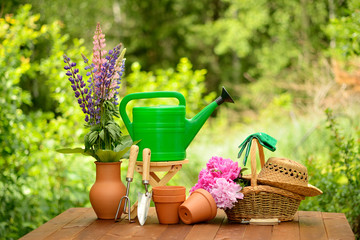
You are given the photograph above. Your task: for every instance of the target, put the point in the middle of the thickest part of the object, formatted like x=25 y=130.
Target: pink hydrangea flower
x=226 y=168
x=206 y=180
x=218 y=179
x=226 y=193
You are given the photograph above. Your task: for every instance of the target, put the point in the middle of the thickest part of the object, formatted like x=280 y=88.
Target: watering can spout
x=192 y=126
x=225 y=97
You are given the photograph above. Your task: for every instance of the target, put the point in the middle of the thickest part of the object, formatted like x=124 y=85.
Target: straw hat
x=287 y=174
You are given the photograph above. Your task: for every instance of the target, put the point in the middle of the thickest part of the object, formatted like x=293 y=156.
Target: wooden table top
x=81 y=223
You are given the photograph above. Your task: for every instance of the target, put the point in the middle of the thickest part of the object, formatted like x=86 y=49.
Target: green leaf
x=102 y=135
x=71 y=150
x=78 y=150
x=121 y=151
x=125 y=142
x=114 y=131
x=93 y=137
x=96 y=127
x=124 y=146
x=116 y=113
x=109 y=155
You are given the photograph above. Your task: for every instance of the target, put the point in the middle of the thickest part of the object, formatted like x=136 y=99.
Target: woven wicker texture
x=263 y=205
x=262 y=201
x=287 y=174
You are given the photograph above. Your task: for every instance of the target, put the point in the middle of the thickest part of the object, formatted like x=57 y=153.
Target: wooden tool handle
x=134 y=151
x=255 y=142
x=146 y=164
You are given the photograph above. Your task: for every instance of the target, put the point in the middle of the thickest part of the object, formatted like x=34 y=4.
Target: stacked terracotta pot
x=167 y=200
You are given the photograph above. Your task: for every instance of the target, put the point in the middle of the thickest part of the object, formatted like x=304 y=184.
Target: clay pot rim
x=169 y=199
x=107 y=163
x=169 y=190
x=210 y=200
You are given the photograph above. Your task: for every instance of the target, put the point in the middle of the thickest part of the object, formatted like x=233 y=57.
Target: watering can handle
x=144 y=95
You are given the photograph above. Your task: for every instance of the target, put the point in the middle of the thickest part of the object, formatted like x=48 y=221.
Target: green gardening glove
x=265 y=140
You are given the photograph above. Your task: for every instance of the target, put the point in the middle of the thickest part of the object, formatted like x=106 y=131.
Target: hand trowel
x=144 y=199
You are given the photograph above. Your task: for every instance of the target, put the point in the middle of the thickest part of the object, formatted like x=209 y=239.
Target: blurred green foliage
x=345 y=31
x=237 y=41
x=35 y=182
x=273 y=56
x=338 y=175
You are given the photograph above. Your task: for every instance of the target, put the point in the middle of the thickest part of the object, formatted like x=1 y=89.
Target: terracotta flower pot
x=107 y=190
x=199 y=207
x=167 y=208
x=169 y=190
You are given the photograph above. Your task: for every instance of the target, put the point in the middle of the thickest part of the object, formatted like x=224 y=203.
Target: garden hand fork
x=134 y=150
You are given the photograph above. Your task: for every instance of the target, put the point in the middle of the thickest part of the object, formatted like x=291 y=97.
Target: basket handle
x=255 y=142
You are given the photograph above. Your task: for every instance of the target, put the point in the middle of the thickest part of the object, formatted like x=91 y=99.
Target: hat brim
x=308 y=191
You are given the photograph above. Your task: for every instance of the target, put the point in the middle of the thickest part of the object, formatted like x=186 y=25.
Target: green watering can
x=164 y=129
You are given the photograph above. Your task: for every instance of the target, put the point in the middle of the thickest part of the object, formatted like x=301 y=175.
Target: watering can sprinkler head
x=225 y=97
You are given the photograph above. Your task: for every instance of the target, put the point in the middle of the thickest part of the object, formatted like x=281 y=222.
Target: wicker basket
x=263 y=201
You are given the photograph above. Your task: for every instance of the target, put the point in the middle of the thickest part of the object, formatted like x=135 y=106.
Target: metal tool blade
x=144 y=198
x=143 y=206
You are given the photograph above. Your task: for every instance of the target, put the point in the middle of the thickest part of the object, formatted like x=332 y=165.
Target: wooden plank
x=311 y=226
x=287 y=230
x=96 y=229
x=123 y=230
x=160 y=164
x=175 y=232
x=333 y=215
x=74 y=227
x=254 y=232
x=337 y=226
x=155 y=177
x=81 y=223
x=207 y=230
x=230 y=230
x=54 y=224
x=151 y=229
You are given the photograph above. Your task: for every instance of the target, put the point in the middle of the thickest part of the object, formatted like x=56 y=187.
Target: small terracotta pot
x=167 y=208
x=169 y=190
x=199 y=207
x=107 y=190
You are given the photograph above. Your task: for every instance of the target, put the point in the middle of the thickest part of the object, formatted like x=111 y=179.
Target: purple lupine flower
x=84 y=58
x=104 y=78
x=75 y=78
